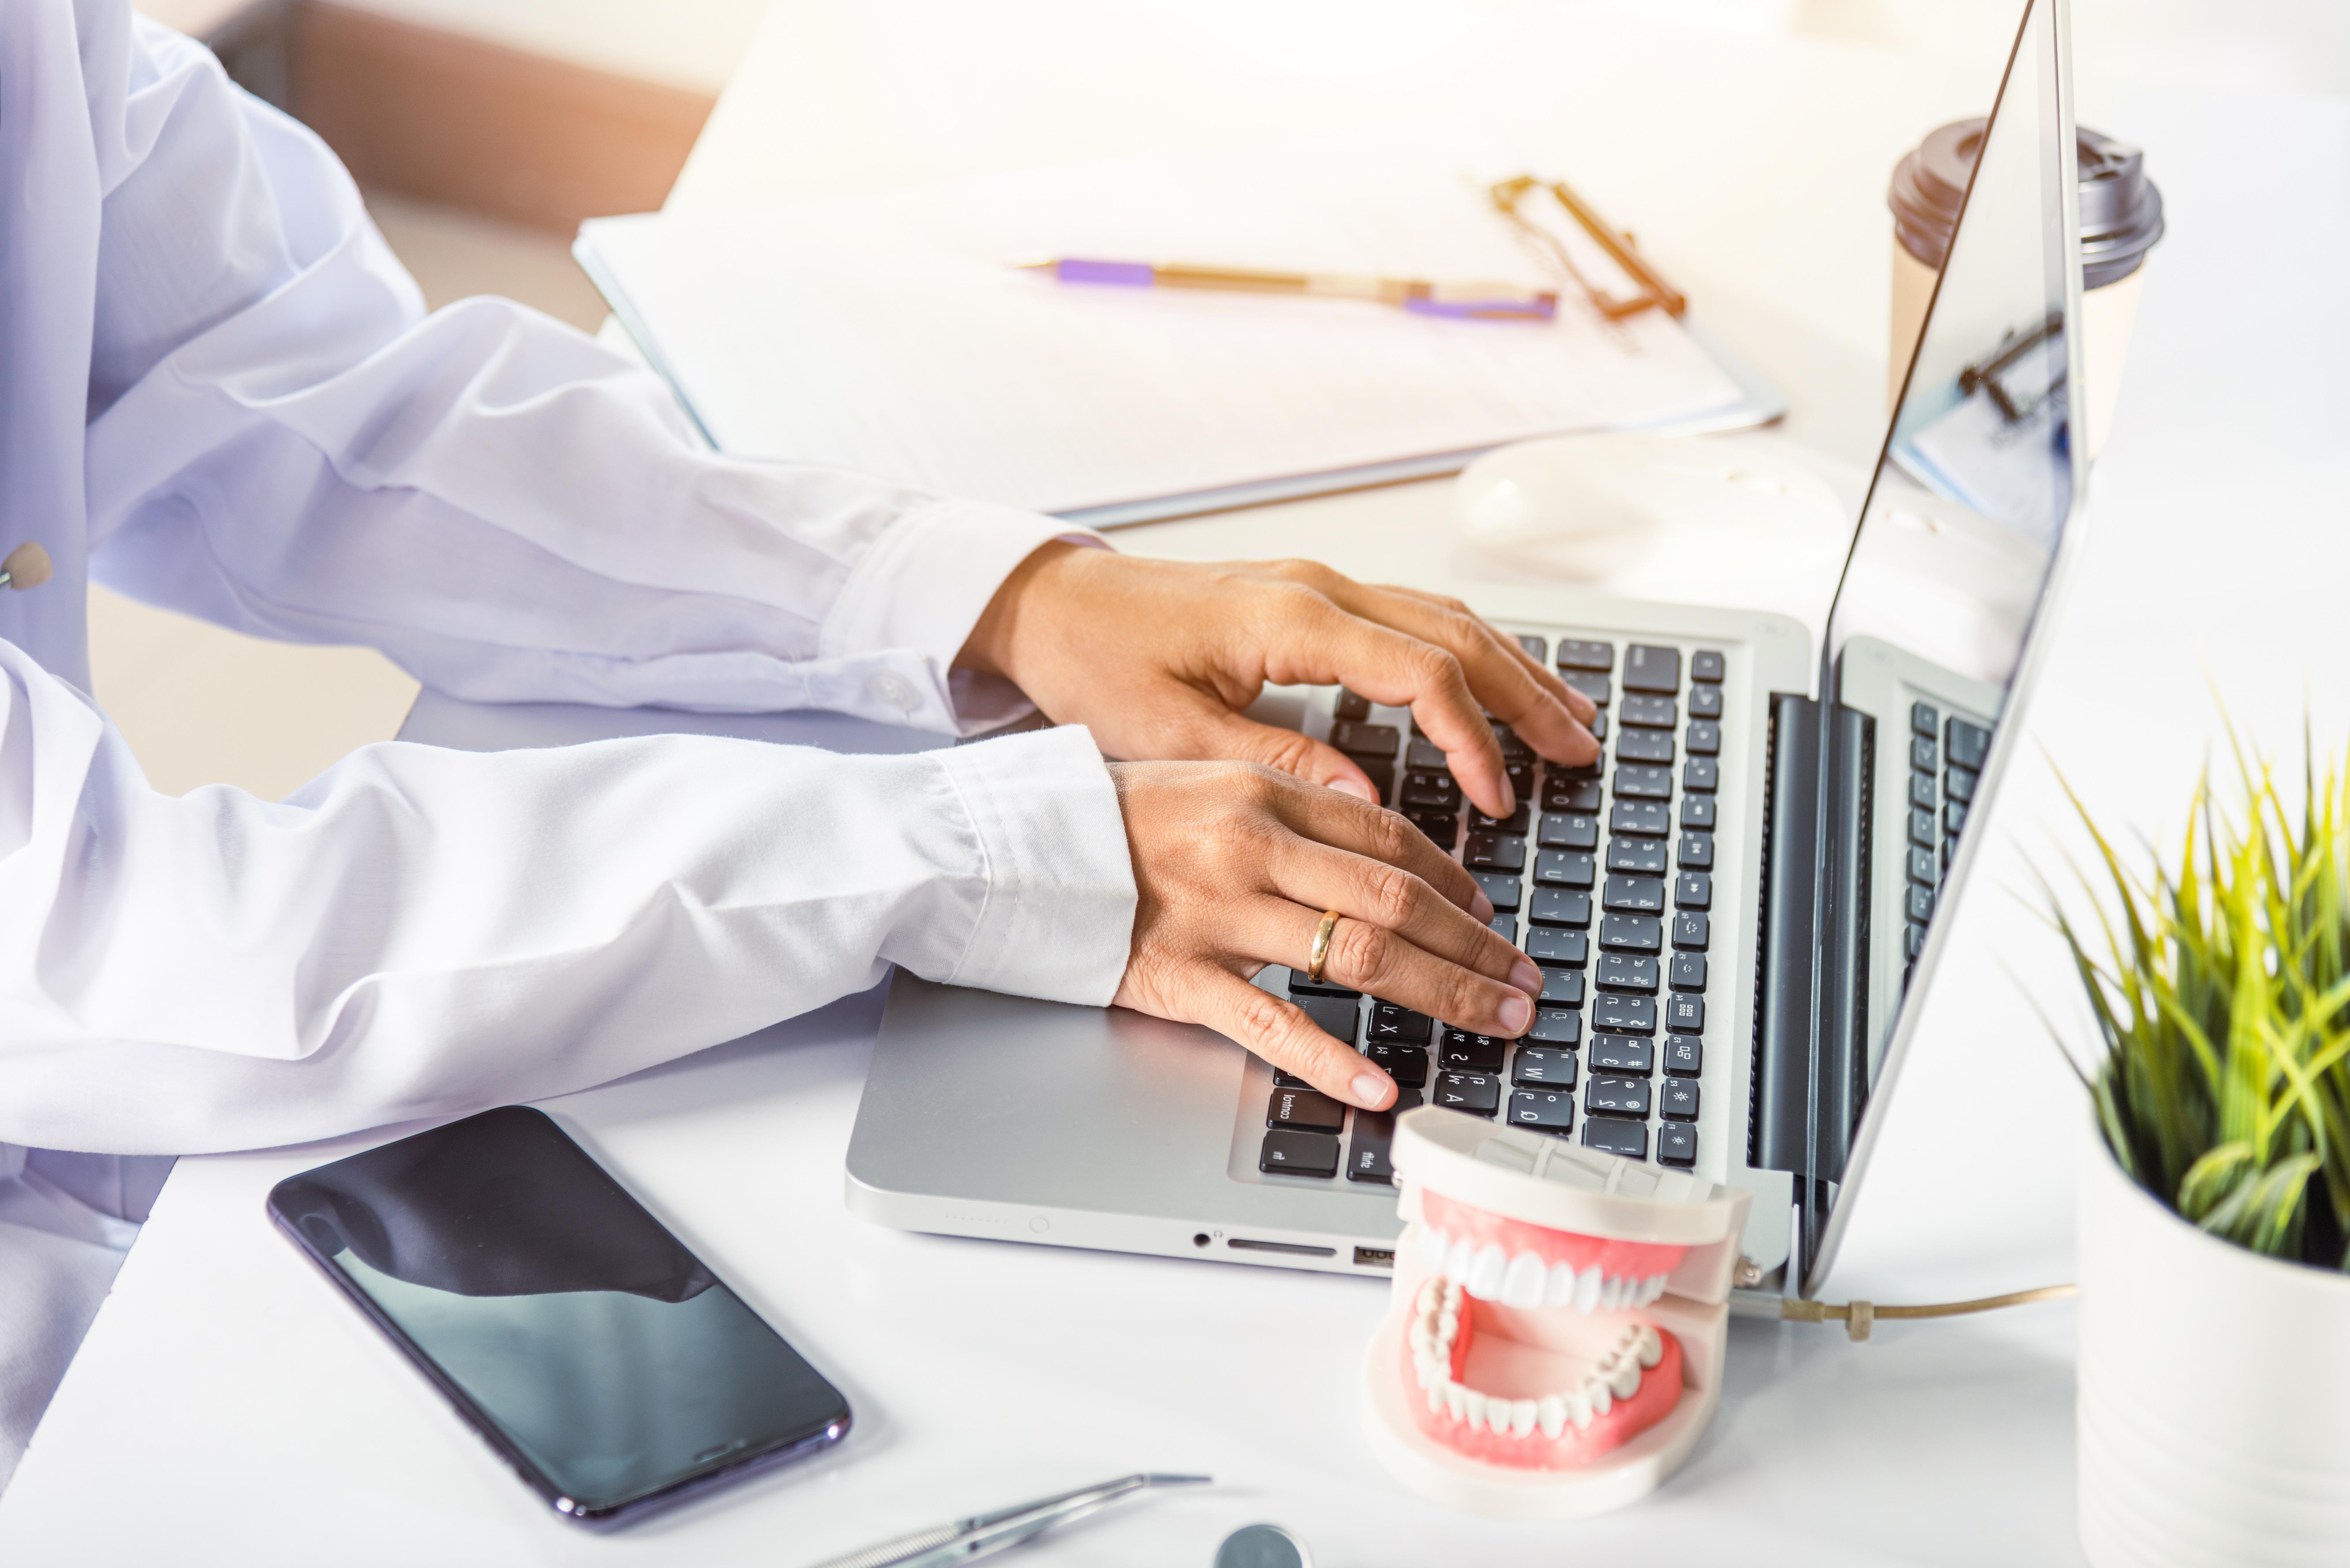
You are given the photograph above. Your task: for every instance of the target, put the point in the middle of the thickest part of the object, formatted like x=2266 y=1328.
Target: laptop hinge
x=1811 y=1017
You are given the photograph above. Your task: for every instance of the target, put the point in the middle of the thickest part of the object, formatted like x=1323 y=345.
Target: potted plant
x=2214 y=1378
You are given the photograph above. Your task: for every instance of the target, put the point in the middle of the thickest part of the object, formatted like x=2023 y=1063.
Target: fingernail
x=1481 y=907
x=1509 y=796
x=1526 y=978
x=1355 y=787
x=1516 y=1013
x=1369 y=1090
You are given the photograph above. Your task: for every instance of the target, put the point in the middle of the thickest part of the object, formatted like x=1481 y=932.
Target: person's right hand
x=1235 y=864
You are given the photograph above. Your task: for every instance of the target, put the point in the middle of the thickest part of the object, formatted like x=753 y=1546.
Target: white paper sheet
x=888 y=332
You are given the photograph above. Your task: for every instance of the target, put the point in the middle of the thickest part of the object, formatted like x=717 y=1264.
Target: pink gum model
x=1554 y=1340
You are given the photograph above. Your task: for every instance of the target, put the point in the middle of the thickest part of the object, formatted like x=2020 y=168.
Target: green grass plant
x=2221 y=986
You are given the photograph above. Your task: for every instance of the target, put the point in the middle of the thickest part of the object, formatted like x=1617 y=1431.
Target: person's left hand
x=1159 y=658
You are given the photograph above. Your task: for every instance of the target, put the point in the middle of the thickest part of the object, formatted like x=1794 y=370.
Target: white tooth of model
x=1579 y=1408
x=1522 y=1285
x=1522 y=1418
x=1433 y=1243
x=1560 y=1290
x=1485 y=1272
x=1552 y=1413
x=1586 y=1290
x=1472 y=1406
x=1456 y=1400
x=1456 y=1262
x=1602 y=1398
x=1624 y=1381
x=1652 y=1349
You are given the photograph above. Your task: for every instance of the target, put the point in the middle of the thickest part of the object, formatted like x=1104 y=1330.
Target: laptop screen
x=1958 y=537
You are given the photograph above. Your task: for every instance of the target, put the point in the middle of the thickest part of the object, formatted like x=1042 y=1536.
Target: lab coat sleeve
x=283 y=441
x=425 y=932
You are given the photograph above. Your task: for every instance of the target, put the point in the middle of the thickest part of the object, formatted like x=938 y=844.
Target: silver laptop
x=1734 y=913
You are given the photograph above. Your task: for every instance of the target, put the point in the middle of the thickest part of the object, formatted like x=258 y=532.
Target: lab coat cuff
x=924 y=586
x=1058 y=918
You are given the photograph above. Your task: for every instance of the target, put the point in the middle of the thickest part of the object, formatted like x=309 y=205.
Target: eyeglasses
x=1549 y=214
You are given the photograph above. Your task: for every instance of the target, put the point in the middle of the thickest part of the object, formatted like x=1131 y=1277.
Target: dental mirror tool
x=988 y=1533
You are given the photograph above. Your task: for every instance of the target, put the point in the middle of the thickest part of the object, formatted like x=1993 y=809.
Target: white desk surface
x=227 y=1409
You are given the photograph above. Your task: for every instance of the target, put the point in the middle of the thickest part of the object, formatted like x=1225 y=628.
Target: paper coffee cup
x=2121 y=219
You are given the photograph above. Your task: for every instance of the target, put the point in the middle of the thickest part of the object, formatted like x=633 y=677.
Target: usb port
x=1375 y=1257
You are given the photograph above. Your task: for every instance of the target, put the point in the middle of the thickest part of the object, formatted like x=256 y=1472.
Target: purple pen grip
x=1134 y=275
x=1472 y=309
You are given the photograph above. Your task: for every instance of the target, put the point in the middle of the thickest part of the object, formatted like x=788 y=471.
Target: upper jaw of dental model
x=1507 y=1260
x=1438 y=1344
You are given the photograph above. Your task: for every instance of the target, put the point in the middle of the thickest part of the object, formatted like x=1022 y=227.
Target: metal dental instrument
x=989 y=1533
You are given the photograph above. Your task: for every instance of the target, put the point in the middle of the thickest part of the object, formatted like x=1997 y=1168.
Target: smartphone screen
x=580 y=1338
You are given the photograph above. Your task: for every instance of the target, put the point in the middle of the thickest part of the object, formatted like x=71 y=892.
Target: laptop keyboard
x=1946 y=760
x=1602 y=876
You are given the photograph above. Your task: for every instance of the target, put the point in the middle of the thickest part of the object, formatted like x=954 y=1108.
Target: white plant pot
x=2214 y=1396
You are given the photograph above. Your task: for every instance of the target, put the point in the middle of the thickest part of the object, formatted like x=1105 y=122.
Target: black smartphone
x=601 y=1359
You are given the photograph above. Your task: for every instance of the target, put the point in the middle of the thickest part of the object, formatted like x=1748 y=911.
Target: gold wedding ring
x=1320 y=953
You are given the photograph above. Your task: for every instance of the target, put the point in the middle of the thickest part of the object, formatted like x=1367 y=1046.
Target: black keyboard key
x=1624 y=1012
x=1676 y=1100
x=1555 y=1027
x=1618 y=1097
x=1913 y=942
x=1397 y=1025
x=1924 y=755
x=1707 y=664
x=1921 y=792
x=1306 y=1111
x=1685 y=1012
x=1299 y=1153
x=1284 y=1079
x=1514 y=823
x=1705 y=702
x=1676 y=1144
x=1925 y=719
x=1512 y=749
x=1697 y=852
x=1688 y=972
x=1565 y=950
x=1366 y=1155
x=1568 y=792
x=1647 y=668
x=1598 y=688
x=1560 y=906
x=1689 y=931
x=1543 y=1068
x=1521 y=776
x=1407 y=1065
x=1333 y=1015
x=1684 y=1055
x=1921 y=866
x=1299 y=985
x=1564 y=868
x=1562 y=988
x=1351 y=706
x=1629 y=1139
x=1598 y=725
x=1648 y=818
x=1958 y=785
x=1649 y=713
x=1697 y=813
x=1536 y=648
x=1622 y=1053
x=1970 y=745
x=1560 y=832
x=1922 y=903
x=1644 y=746
x=1504 y=927
x=1635 y=895
x=1693 y=890
x=1626 y=971
x=1426 y=757
x=1543 y=1110
x=1573 y=655
x=1431 y=791
x=1704 y=738
x=1381 y=774
x=1642 y=857
x=1632 y=933
x=1700 y=776
x=1494 y=852
x=1954 y=818
x=1366 y=740
x=1441 y=826
x=1465 y=1053
x=1921 y=827
x=1500 y=886
x=1633 y=783
x=1479 y=1094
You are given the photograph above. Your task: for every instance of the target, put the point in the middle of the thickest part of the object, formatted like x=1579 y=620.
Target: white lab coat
x=219 y=392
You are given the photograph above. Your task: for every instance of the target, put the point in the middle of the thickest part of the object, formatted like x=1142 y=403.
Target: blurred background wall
x=484 y=131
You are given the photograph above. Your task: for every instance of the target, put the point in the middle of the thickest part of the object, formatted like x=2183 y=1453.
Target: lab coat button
x=894 y=692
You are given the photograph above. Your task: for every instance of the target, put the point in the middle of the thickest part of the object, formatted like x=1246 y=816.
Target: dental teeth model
x=1554 y=1344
